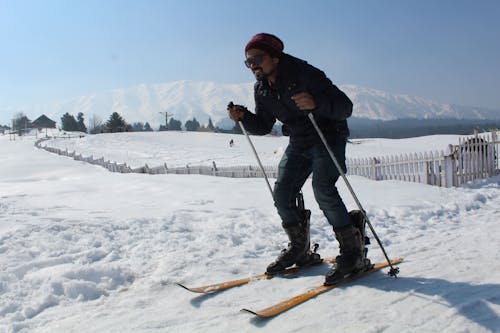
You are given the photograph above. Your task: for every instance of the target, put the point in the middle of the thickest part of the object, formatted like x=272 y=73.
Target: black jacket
x=294 y=76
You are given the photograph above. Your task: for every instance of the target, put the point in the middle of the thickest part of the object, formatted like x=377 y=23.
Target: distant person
x=231 y=143
x=287 y=89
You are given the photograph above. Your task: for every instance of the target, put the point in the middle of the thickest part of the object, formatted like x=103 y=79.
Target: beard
x=259 y=74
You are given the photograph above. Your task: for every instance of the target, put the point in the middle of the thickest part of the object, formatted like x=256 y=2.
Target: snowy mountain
x=187 y=99
x=376 y=104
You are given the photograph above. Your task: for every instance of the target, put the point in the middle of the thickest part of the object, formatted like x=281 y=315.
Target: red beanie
x=266 y=42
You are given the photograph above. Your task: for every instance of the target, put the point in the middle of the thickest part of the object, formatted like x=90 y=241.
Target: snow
x=175 y=150
x=86 y=250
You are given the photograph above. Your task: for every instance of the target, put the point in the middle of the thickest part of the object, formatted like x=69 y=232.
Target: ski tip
x=260 y=314
x=250 y=311
x=200 y=290
x=183 y=286
x=397 y=261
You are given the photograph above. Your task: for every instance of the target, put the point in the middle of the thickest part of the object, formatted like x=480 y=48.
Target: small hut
x=43 y=122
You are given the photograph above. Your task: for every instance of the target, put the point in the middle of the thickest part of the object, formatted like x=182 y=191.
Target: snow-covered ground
x=86 y=250
x=197 y=148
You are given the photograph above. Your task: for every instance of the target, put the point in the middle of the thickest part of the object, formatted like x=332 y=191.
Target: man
x=287 y=89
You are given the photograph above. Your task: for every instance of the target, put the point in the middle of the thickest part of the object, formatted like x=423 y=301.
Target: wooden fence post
x=448 y=170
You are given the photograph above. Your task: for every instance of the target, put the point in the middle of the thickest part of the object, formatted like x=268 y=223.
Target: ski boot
x=298 y=251
x=352 y=259
x=358 y=220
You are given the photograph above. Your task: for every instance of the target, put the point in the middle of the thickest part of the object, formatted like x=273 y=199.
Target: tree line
x=359 y=128
x=116 y=123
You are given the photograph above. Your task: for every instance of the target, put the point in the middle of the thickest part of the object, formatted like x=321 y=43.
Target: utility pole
x=11 y=132
x=166 y=118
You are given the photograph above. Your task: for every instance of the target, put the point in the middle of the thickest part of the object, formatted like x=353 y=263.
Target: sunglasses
x=256 y=60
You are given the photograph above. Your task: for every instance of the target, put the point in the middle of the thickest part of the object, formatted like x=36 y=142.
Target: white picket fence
x=476 y=158
x=420 y=168
x=473 y=158
x=244 y=171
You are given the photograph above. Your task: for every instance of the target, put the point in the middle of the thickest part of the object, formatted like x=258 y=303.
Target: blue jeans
x=295 y=167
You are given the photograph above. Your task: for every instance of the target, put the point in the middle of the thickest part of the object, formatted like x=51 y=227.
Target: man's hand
x=304 y=101
x=236 y=112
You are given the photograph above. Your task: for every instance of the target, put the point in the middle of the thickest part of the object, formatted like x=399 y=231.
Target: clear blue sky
x=446 y=50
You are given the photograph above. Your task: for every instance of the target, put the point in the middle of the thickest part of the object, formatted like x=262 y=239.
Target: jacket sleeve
x=261 y=122
x=330 y=101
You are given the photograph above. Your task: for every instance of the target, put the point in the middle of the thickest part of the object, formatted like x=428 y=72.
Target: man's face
x=261 y=64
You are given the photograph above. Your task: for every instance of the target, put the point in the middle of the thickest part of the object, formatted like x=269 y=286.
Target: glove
x=236 y=112
x=304 y=101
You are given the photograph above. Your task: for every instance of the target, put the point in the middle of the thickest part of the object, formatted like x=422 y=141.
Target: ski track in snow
x=82 y=249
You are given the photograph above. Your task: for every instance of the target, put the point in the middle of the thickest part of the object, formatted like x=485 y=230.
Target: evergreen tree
x=174 y=125
x=81 y=123
x=192 y=125
x=116 y=123
x=137 y=127
x=147 y=127
x=69 y=122
x=210 y=125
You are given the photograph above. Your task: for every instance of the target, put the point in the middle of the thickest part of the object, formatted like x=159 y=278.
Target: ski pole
x=394 y=270
x=256 y=156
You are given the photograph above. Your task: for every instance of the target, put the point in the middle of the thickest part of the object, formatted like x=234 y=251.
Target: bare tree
x=20 y=122
x=95 y=124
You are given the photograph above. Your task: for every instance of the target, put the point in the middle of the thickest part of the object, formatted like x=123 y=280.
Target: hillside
x=187 y=99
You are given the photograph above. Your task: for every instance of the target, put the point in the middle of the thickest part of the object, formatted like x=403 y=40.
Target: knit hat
x=266 y=42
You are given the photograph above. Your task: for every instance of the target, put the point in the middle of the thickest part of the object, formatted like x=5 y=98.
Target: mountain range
x=187 y=99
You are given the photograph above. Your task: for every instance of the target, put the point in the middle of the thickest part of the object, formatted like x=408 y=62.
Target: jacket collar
x=287 y=75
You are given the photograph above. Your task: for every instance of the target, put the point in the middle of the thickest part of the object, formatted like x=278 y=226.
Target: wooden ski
x=211 y=288
x=289 y=303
